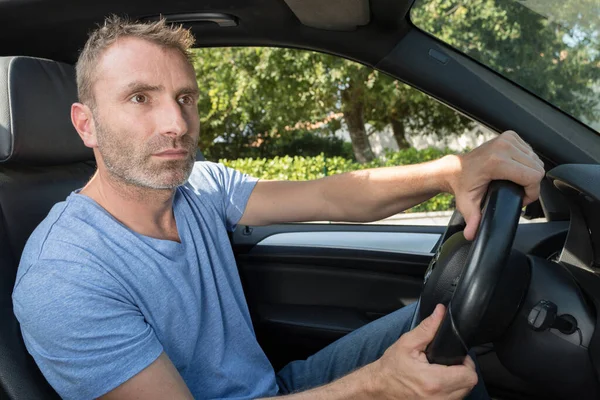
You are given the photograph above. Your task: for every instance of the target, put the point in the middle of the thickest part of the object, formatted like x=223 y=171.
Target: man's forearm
x=370 y=195
x=373 y=194
x=357 y=385
x=358 y=196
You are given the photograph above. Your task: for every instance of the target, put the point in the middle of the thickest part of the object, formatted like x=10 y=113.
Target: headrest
x=35 y=103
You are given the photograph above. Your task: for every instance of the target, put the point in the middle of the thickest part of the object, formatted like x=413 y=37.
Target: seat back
x=43 y=160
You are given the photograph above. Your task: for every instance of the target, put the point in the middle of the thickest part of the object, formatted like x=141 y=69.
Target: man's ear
x=83 y=121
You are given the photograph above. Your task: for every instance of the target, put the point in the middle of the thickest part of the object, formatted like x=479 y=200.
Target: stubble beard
x=136 y=167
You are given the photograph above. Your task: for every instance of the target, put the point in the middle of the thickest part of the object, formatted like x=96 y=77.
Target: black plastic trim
x=374 y=261
x=223 y=20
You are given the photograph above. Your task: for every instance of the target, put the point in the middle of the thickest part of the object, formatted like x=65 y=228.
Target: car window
x=549 y=47
x=293 y=114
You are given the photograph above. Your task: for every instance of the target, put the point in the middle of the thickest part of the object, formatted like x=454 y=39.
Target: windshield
x=550 y=47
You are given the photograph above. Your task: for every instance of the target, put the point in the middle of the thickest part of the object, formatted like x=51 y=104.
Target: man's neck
x=143 y=210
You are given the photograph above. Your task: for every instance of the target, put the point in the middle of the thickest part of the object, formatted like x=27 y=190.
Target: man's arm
x=357 y=196
x=159 y=380
x=373 y=194
x=403 y=372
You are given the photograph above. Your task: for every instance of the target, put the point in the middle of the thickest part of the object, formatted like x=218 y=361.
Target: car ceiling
x=58 y=29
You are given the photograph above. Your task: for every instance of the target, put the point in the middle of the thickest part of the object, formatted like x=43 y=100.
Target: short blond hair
x=115 y=28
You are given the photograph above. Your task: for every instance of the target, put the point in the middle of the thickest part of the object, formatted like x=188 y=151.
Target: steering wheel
x=464 y=277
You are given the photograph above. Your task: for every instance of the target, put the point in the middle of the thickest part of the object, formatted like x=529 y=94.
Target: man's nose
x=171 y=119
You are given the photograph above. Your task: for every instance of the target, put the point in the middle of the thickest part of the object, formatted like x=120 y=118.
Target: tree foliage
x=257 y=101
x=556 y=56
x=408 y=110
x=251 y=97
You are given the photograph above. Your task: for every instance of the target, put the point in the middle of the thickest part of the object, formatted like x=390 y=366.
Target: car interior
x=535 y=326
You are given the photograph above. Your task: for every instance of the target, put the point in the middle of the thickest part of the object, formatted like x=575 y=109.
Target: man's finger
x=472 y=220
x=526 y=159
x=455 y=377
x=423 y=334
x=519 y=143
x=521 y=174
x=517 y=149
x=516 y=141
x=469 y=363
x=517 y=138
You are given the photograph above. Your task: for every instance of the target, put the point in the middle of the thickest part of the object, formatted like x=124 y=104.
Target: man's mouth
x=172 y=153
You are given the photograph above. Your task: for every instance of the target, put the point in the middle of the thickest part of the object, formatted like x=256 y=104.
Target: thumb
x=472 y=218
x=423 y=334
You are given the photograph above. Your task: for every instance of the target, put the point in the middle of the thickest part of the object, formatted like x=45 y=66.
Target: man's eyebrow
x=137 y=86
x=190 y=90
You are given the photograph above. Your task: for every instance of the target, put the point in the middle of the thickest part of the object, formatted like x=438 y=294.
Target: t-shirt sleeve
x=77 y=322
x=228 y=188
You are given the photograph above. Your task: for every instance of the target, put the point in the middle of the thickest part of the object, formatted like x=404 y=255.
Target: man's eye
x=186 y=100
x=139 y=98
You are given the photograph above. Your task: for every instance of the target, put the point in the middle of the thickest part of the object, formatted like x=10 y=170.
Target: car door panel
x=309 y=284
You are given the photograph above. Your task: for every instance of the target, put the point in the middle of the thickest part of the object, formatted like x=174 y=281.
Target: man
x=129 y=289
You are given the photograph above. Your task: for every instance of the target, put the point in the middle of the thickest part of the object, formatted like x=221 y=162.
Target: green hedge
x=305 y=168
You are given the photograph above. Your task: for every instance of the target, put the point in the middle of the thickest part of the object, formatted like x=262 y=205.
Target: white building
x=383 y=140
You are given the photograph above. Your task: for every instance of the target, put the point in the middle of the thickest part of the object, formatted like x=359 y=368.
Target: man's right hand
x=403 y=371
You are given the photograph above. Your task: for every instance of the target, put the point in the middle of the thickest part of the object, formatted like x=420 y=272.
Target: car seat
x=42 y=161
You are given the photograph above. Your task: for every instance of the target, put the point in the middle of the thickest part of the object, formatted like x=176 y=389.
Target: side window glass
x=296 y=115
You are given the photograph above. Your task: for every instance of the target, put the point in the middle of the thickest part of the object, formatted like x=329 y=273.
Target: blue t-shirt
x=98 y=302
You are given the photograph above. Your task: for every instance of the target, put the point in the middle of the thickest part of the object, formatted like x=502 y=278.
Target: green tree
x=251 y=96
x=556 y=57
x=405 y=109
x=255 y=96
x=347 y=82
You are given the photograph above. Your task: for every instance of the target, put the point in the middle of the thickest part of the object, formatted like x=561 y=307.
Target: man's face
x=145 y=115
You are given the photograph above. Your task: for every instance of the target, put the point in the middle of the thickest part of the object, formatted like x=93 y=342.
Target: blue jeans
x=354 y=350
